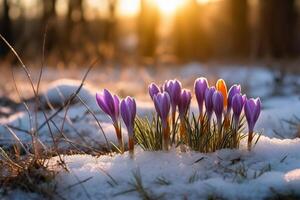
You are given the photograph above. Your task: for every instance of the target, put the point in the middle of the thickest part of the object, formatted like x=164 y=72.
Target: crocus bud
x=184 y=103
x=200 y=87
x=162 y=106
x=218 y=106
x=153 y=90
x=128 y=113
x=235 y=89
x=221 y=86
x=252 y=110
x=209 y=101
x=173 y=88
x=237 y=106
x=109 y=104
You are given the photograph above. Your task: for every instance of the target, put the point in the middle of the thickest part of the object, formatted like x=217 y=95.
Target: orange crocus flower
x=221 y=86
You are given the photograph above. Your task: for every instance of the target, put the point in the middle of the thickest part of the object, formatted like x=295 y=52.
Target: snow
x=275 y=110
x=273 y=164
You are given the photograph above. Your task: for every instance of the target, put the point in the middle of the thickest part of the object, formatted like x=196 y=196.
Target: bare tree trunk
x=49 y=20
x=238 y=10
x=277 y=27
x=6 y=27
x=277 y=31
x=111 y=30
x=190 y=40
x=148 y=22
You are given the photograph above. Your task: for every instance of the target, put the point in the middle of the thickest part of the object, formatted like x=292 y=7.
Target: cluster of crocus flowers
x=226 y=105
x=222 y=102
x=217 y=108
x=110 y=104
x=170 y=98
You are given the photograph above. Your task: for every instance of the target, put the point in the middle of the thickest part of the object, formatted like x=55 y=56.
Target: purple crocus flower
x=162 y=106
x=209 y=101
x=237 y=102
x=218 y=106
x=235 y=89
x=173 y=88
x=153 y=90
x=252 y=110
x=184 y=103
x=128 y=113
x=200 y=87
x=109 y=104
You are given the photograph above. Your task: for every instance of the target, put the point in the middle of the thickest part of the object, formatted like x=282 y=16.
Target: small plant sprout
x=110 y=105
x=162 y=105
x=200 y=87
x=183 y=107
x=252 y=110
x=128 y=113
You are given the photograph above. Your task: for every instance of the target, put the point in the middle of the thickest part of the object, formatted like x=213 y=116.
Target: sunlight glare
x=204 y=1
x=129 y=7
x=169 y=6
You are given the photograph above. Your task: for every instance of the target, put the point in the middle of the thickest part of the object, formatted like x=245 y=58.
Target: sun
x=129 y=7
x=168 y=6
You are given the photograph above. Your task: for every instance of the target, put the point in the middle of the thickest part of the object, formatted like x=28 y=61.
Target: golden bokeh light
x=129 y=7
x=203 y=1
x=169 y=6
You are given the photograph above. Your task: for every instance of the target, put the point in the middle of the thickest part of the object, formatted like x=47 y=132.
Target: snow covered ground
x=272 y=167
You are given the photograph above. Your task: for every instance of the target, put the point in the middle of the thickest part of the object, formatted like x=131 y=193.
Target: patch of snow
x=231 y=174
x=61 y=90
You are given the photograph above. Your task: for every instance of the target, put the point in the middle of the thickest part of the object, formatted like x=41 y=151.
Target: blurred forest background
x=135 y=32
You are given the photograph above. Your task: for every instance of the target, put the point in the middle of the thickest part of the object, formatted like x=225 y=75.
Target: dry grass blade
x=21 y=62
x=71 y=98
x=8 y=160
x=97 y=121
x=17 y=139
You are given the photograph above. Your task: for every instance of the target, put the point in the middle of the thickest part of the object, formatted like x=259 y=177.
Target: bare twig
x=71 y=98
x=98 y=123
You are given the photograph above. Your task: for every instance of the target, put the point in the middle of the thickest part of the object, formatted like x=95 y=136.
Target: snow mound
x=273 y=165
x=61 y=90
